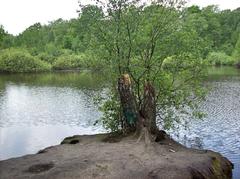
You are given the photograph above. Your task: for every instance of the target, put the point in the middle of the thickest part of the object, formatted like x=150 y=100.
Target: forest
x=72 y=44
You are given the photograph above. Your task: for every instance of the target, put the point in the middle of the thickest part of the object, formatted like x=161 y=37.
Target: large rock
x=99 y=157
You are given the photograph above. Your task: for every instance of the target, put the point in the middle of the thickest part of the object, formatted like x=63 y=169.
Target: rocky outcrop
x=99 y=157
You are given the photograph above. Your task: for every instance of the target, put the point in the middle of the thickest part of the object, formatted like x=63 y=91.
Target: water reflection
x=39 y=110
x=80 y=80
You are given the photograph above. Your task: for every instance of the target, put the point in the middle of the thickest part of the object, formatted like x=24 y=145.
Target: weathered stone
x=93 y=158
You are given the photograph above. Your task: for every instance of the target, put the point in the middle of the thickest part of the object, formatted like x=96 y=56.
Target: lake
x=39 y=110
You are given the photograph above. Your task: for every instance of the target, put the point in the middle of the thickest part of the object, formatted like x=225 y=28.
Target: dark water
x=39 y=110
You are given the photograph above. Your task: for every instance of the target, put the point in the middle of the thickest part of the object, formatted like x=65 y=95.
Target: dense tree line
x=219 y=29
x=216 y=33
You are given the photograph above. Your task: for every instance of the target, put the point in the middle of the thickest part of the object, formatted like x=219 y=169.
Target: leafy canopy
x=150 y=42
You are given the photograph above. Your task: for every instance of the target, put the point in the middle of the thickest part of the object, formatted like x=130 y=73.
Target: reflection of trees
x=83 y=80
x=222 y=73
x=2 y=86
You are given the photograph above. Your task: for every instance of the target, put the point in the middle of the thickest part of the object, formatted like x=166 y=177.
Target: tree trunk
x=128 y=103
x=136 y=119
x=148 y=109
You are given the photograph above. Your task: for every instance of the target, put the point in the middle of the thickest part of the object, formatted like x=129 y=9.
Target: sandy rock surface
x=95 y=157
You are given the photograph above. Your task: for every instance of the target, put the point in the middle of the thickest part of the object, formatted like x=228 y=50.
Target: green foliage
x=6 y=40
x=220 y=58
x=94 y=62
x=212 y=30
x=52 y=50
x=46 y=58
x=151 y=43
x=78 y=61
x=219 y=29
x=18 y=60
x=110 y=107
x=236 y=52
x=2 y=33
x=68 y=62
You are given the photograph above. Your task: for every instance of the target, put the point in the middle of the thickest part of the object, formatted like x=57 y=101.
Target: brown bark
x=148 y=109
x=128 y=103
x=140 y=120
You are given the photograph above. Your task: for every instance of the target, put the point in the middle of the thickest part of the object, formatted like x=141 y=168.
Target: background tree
x=6 y=40
x=2 y=33
x=236 y=52
x=217 y=31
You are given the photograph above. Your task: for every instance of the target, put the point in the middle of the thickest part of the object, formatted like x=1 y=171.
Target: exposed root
x=146 y=136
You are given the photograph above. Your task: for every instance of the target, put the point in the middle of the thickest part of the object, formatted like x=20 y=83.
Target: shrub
x=110 y=107
x=220 y=58
x=85 y=61
x=181 y=63
x=46 y=58
x=67 y=62
x=52 y=50
x=95 y=63
x=18 y=60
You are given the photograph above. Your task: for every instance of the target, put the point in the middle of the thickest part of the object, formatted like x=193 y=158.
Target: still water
x=39 y=110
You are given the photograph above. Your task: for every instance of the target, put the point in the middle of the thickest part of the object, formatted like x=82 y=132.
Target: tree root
x=151 y=138
x=148 y=138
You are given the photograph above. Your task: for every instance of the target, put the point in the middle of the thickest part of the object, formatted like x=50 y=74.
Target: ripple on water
x=220 y=131
x=24 y=105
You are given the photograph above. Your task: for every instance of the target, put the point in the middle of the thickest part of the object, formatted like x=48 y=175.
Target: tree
x=218 y=29
x=6 y=40
x=3 y=34
x=31 y=36
x=236 y=52
x=158 y=76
